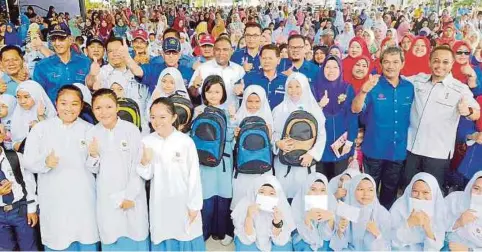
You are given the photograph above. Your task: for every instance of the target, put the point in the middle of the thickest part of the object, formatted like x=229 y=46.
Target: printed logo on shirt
x=177 y=157
x=421 y=90
x=124 y=146
x=381 y=97
x=83 y=143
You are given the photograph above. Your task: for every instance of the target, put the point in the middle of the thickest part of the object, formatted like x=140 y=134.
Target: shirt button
x=395 y=100
x=396 y=111
x=396 y=121
x=395 y=132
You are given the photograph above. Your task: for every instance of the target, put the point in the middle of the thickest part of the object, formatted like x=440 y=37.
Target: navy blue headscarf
x=334 y=88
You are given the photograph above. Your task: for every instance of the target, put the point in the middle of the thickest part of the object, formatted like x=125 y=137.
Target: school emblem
x=172 y=42
x=83 y=143
x=124 y=145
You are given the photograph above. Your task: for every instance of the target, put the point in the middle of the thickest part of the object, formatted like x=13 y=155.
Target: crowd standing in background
x=274 y=127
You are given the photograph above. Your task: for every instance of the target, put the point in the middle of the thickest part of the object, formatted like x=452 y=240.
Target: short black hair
x=70 y=88
x=152 y=34
x=80 y=39
x=270 y=47
x=442 y=48
x=11 y=48
x=171 y=30
x=253 y=25
x=113 y=39
x=266 y=29
x=296 y=36
x=208 y=82
x=223 y=39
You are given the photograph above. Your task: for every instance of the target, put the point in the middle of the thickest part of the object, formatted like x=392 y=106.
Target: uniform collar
x=447 y=81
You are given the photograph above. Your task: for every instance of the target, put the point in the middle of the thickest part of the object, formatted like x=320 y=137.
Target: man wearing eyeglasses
x=296 y=61
x=249 y=57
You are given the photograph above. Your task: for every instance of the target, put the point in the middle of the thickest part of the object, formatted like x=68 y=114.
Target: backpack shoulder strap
x=12 y=158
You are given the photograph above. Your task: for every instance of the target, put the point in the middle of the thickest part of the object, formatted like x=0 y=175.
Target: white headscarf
x=178 y=80
x=314 y=237
x=264 y=110
x=262 y=220
x=21 y=118
x=117 y=77
x=186 y=48
x=85 y=93
x=333 y=185
x=11 y=102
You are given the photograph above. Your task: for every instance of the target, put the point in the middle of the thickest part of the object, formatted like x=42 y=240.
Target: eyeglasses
x=252 y=36
x=171 y=53
x=463 y=53
x=296 y=48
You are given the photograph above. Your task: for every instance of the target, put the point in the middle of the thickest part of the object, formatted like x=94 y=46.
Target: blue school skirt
x=127 y=244
x=77 y=246
x=239 y=246
x=196 y=244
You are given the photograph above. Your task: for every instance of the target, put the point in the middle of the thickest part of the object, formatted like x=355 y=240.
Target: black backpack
x=184 y=111
x=129 y=111
x=12 y=158
x=303 y=127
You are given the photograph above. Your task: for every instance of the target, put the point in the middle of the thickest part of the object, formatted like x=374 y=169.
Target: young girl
x=114 y=154
x=338 y=186
x=298 y=96
x=33 y=106
x=254 y=103
x=170 y=82
x=315 y=225
x=56 y=150
x=371 y=231
x=7 y=106
x=217 y=181
x=262 y=219
x=170 y=161
x=419 y=216
x=464 y=223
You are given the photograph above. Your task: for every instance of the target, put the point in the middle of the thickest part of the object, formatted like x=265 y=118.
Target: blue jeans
x=15 y=233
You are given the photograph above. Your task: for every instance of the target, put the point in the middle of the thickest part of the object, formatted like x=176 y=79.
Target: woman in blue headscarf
x=11 y=36
x=335 y=97
x=419 y=216
x=371 y=230
x=464 y=212
x=23 y=29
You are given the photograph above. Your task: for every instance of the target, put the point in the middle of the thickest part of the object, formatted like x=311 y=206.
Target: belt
x=15 y=205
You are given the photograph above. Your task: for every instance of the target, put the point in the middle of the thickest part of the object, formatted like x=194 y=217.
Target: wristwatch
x=471 y=111
x=277 y=225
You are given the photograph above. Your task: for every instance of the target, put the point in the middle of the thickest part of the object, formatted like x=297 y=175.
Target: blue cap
x=58 y=31
x=171 y=44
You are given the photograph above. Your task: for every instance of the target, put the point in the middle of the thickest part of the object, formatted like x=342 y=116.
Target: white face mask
x=316 y=201
x=476 y=204
x=427 y=206
x=266 y=203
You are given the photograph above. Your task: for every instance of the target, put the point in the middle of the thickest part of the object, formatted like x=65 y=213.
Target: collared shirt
x=185 y=60
x=231 y=75
x=309 y=69
x=434 y=116
x=275 y=89
x=51 y=73
x=30 y=185
x=242 y=56
x=152 y=71
x=387 y=117
x=11 y=84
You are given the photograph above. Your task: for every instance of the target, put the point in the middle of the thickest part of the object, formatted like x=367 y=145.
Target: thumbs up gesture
x=3 y=86
x=94 y=67
x=147 y=155
x=196 y=64
x=198 y=81
x=247 y=66
x=289 y=71
x=324 y=100
x=94 y=148
x=52 y=160
x=40 y=109
x=370 y=83
x=125 y=50
x=463 y=107
x=232 y=111
x=468 y=71
x=238 y=88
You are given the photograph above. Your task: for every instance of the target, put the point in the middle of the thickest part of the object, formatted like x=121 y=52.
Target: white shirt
x=30 y=185
x=231 y=75
x=434 y=116
x=66 y=193
x=175 y=187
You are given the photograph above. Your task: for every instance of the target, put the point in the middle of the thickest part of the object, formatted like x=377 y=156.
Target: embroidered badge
x=341 y=98
x=83 y=143
x=124 y=145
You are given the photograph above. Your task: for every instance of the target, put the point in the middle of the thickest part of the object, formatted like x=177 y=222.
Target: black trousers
x=416 y=163
x=331 y=169
x=387 y=174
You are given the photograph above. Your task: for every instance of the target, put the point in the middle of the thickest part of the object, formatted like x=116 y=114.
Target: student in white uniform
x=7 y=106
x=372 y=229
x=33 y=106
x=56 y=149
x=254 y=103
x=262 y=219
x=170 y=161
x=114 y=154
x=298 y=96
x=464 y=216
x=338 y=186
x=419 y=216
x=314 y=225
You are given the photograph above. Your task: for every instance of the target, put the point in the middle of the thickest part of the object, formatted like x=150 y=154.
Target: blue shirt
x=11 y=85
x=152 y=71
x=275 y=89
x=240 y=56
x=309 y=69
x=52 y=74
x=184 y=60
x=387 y=117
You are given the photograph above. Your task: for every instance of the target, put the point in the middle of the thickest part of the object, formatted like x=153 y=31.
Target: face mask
x=316 y=201
x=266 y=203
x=476 y=204
x=426 y=206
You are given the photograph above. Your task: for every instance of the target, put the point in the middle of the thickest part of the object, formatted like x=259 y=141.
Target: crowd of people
x=276 y=127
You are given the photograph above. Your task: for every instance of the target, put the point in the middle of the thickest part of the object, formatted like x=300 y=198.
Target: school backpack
x=184 y=110
x=87 y=115
x=253 y=148
x=12 y=158
x=302 y=127
x=209 y=134
x=129 y=111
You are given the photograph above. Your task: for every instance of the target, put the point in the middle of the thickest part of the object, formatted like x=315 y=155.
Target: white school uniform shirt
x=117 y=180
x=30 y=185
x=66 y=193
x=175 y=187
x=231 y=75
x=434 y=116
